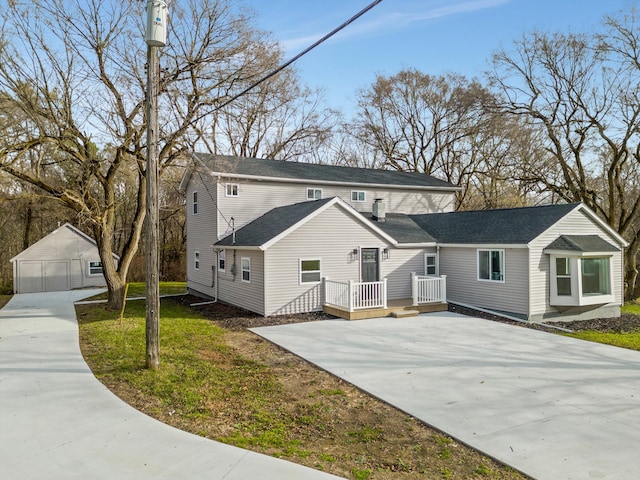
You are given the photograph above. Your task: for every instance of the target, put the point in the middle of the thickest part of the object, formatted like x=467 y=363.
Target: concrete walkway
x=58 y=422
x=550 y=406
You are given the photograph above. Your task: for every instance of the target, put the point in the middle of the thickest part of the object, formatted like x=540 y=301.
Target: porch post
x=443 y=288
x=414 y=289
x=384 y=292
x=350 y=300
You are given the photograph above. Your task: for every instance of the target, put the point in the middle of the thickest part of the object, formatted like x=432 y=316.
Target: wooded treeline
x=555 y=118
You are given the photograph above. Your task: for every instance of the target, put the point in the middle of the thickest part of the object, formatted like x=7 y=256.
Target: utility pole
x=156 y=34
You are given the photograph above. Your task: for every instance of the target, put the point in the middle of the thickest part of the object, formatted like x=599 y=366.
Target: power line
x=301 y=54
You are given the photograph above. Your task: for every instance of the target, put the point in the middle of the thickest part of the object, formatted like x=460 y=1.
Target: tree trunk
x=631 y=273
x=116 y=287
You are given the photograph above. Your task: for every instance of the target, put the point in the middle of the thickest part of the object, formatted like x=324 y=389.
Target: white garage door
x=43 y=276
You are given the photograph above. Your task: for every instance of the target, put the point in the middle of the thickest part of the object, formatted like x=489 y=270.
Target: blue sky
x=434 y=36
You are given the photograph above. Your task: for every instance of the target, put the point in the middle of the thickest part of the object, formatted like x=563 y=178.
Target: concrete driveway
x=550 y=406
x=58 y=422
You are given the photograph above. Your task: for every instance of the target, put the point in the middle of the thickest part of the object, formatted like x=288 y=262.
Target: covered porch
x=361 y=300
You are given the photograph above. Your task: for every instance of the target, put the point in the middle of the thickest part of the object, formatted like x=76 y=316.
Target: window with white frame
x=196 y=260
x=245 y=264
x=310 y=271
x=314 y=193
x=94 y=268
x=491 y=265
x=563 y=276
x=222 y=260
x=580 y=280
x=195 y=203
x=430 y=265
x=231 y=190
x=358 y=196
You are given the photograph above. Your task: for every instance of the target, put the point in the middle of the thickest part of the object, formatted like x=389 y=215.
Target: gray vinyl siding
x=201 y=235
x=398 y=268
x=231 y=288
x=255 y=198
x=576 y=223
x=331 y=236
x=463 y=286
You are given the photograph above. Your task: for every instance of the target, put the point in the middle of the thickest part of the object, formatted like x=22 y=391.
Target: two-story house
x=280 y=237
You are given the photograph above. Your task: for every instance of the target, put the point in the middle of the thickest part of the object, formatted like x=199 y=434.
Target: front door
x=369 y=265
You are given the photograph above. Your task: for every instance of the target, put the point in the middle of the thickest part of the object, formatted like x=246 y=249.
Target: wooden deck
x=399 y=308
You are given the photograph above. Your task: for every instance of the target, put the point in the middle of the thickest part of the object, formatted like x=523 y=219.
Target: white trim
x=310 y=259
x=503 y=265
x=196 y=259
x=242 y=269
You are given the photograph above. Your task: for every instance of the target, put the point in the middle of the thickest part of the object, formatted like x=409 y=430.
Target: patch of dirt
x=626 y=322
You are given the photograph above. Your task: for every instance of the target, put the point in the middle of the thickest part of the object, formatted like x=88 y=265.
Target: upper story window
x=195 y=203
x=94 y=268
x=245 y=264
x=314 y=193
x=358 y=196
x=222 y=260
x=491 y=265
x=231 y=190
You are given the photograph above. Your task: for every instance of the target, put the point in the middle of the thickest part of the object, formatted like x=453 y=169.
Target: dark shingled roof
x=581 y=243
x=402 y=228
x=319 y=173
x=507 y=226
x=271 y=224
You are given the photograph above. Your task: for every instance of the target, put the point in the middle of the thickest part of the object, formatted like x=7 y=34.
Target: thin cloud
x=395 y=21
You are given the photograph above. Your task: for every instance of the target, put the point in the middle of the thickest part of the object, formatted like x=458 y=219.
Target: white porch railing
x=356 y=295
x=426 y=289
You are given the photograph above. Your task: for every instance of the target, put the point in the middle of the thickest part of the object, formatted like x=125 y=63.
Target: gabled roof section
x=54 y=233
x=581 y=244
x=240 y=167
x=516 y=226
x=279 y=222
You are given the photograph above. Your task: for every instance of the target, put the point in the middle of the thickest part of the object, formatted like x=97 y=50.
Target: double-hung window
x=222 y=260
x=196 y=260
x=430 y=264
x=245 y=264
x=195 y=203
x=94 y=268
x=310 y=271
x=491 y=265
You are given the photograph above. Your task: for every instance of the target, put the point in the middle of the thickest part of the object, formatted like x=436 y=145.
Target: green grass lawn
x=208 y=387
x=138 y=290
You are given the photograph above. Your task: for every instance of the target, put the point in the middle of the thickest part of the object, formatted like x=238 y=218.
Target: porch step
x=404 y=313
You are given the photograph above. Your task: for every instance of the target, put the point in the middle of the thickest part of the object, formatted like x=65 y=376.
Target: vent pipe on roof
x=379 y=211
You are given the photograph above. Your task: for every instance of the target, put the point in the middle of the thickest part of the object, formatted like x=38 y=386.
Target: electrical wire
x=299 y=55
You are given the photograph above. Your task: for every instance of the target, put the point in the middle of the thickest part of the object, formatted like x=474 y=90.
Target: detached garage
x=66 y=259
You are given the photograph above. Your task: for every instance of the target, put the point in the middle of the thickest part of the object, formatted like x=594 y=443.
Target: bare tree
x=73 y=75
x=582 y=90
x=440 y=126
